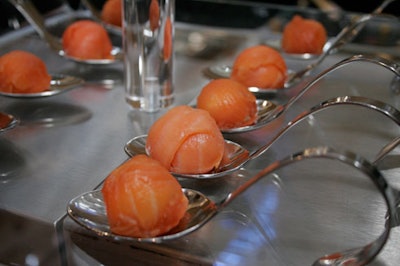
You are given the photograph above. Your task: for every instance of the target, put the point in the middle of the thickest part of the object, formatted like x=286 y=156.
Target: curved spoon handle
x=374 y=105
x=388 y=64
x=357 y=256
x=32 y=15
x=386 y=149
x=348 y=33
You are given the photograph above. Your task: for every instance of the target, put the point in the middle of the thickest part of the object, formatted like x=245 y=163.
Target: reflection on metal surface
x=107 y=76
x=205 y=43
x=12 y=161
x=7 y=122
x=35 y=241
x=49 y=114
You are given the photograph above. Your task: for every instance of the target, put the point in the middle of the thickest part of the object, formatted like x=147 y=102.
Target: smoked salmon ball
x=302 y=35
x=143 y=199
x=186 y=140
x=112 y=12
x=260 y=66
x=229 y=102
x=86 y=39
x=23 y=72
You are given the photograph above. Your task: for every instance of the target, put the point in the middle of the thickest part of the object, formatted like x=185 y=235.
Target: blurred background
x=271 y=15
x=208 y=12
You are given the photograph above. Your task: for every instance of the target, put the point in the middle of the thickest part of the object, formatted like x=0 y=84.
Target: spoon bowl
x=267 y=111
x=233 y=154
x=7 y=122
x=276 y=44
x=32 y=15
x=58 y=84
x=89 y=211
x=200 y=209
x=237 y=156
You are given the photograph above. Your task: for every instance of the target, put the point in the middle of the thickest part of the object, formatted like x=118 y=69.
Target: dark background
x=213 y=13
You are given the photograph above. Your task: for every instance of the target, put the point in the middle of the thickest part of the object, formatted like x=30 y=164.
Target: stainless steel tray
x=68 y=143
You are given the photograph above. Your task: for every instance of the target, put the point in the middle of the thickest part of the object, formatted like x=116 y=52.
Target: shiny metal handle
x=375 y=105
x=356 y=256
x=380 y=61
x=32 y=15
x=347 y=34
x=385 y=150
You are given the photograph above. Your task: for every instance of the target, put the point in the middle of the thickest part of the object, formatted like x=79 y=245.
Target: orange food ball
x=86 y=39
x=186 y=140
x=229 y=102
x=23 y=72
x=154 y=15
x=303 y=36
x=260 y=66
x=5 y=120
x=112 y=12
x=143 y=199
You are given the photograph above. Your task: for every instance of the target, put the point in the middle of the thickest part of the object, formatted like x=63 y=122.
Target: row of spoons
x=346 y=35
x=267 y=111
x=60 y=83
x=89 y=211
x=237 y=156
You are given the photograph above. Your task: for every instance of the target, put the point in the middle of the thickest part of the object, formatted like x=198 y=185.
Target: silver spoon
x=271 y=111
x=31 y=14
x=58 y=84
x=347 y=34
x=7 y=122
x=89 y=211
x=237 y=155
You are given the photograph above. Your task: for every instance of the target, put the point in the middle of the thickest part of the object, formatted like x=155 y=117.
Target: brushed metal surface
x=68 y=143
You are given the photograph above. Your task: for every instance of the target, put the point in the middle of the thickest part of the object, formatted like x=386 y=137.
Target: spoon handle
x=392 y=66
x=357 y=256
x=386 y=149
x=348 y=33
x=375 y=105
x=32 y=15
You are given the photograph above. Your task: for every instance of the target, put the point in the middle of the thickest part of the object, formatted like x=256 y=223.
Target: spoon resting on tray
x=31 y=14
x=59 y=84
x=267 y=111
x=237 y=156
x=88 y=209
x=347 y=34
